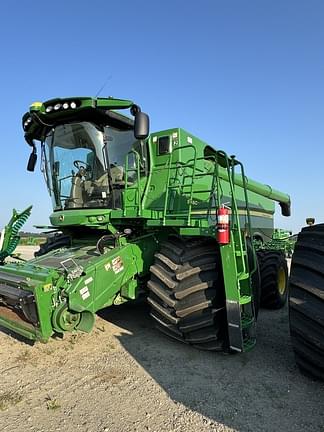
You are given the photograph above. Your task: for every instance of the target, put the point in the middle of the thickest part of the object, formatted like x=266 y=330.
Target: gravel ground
x=125 y=376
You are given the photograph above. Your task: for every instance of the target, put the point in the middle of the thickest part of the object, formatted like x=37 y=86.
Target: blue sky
x=245 y=76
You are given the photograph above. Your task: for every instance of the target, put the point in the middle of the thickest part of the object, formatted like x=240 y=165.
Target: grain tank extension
x=136 y=214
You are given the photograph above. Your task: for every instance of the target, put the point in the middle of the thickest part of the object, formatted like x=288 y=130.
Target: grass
x=9 y=398
x=52 y=403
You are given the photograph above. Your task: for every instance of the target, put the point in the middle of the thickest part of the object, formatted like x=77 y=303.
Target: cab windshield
x=85 y=166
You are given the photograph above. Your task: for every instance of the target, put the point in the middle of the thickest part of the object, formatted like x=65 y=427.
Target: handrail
x=169 y=177
x=247 y=212
x=234 y=207
x=138 y=185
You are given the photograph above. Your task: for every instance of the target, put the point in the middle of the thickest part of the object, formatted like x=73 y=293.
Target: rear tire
x=306 y=301
x=274 y=279
x=186 y=292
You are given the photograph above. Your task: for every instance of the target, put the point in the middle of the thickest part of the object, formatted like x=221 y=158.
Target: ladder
x=241 y=317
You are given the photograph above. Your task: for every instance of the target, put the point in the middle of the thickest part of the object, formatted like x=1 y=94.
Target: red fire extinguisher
x=223 y=226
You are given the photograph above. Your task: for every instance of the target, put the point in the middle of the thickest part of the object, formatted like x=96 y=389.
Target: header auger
x=136 y=213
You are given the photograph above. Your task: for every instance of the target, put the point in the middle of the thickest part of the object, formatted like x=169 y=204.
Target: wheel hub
x=281 y=281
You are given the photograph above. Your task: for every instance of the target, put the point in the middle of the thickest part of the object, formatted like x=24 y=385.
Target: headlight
x=65 y=105
x=49 y=109
x=57 y=106
x=73 y=105
x=27 y=122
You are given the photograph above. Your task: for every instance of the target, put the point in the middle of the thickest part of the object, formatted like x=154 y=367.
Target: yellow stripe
x=256 y=213
x=240 y=212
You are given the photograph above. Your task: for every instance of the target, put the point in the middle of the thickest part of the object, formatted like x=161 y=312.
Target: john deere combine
x=166 y=215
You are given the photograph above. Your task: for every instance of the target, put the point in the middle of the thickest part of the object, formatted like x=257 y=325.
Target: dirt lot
x=125 y=376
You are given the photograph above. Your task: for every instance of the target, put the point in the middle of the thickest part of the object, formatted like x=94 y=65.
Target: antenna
x=103 y=85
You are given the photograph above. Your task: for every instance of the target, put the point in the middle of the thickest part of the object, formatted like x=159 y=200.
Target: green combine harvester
x=164 y=215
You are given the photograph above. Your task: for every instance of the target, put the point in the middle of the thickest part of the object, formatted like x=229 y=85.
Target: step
x=245 y=299
x=243 y=276
x=249 y=344
x=247 y=321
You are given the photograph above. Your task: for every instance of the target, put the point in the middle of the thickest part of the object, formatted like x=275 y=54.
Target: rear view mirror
x=32 y=162
x=310 y=221
x=141 y=125
x=56 y=170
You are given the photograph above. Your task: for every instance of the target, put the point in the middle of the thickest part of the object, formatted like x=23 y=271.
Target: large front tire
x=186 y=292
x=306 y=301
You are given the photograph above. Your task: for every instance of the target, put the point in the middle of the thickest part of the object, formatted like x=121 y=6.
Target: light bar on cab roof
x=59 y=106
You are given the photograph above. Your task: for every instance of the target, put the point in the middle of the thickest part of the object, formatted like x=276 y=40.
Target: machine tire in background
x=274 y=278
x=54 y=242
x=306 y=301
x=186 y=292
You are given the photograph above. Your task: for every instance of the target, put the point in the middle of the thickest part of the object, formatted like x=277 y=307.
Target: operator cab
x=85 y=165
x=89 y=153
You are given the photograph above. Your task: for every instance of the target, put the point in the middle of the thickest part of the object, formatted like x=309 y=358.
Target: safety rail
x=244 y=329
x=247 y=207
x=169 y=187
x=177 y=181
x=236 y=226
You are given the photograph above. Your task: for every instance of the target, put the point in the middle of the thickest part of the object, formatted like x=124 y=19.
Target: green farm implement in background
x=165 y=215
x=9 y=237
x=281 y=240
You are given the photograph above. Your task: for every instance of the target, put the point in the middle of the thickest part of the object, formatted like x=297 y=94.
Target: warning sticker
x=84 y=292
x=108 y=266
x=89 y=280
x=47 y=287
x=117 y=265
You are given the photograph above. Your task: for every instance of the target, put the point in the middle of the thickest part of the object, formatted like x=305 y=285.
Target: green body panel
x=44 y=285
x=148 y=199
x=155 y=190
x=179 y=191
x=79 y=280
